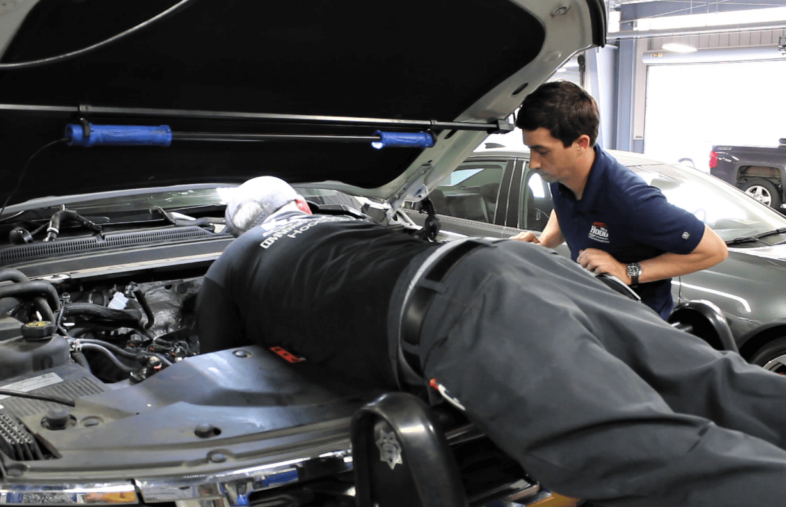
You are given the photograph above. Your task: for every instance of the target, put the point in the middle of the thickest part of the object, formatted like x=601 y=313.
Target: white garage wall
x=691 y=107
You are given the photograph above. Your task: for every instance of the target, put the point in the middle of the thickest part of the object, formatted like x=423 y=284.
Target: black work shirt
x=621 y=214
x=317 y=286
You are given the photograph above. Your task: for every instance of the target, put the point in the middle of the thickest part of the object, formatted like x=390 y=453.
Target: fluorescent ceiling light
x=696 y=18
x=678 y=48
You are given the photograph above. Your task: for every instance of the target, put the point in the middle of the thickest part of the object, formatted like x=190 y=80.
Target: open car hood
x=226 y=66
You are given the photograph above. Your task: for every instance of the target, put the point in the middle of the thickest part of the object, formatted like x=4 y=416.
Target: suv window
x=470 y=192
x=535 y=202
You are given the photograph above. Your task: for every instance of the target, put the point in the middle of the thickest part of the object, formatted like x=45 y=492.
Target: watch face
x=634 y=270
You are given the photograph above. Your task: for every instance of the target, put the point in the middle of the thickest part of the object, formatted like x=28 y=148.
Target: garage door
x=691 y=107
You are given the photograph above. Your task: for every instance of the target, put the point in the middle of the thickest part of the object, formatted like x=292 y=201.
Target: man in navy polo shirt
x=611 y=219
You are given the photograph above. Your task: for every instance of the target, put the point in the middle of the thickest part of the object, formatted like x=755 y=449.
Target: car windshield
x=729 y=212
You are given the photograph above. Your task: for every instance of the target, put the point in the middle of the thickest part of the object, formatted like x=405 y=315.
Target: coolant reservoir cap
x=38 y=330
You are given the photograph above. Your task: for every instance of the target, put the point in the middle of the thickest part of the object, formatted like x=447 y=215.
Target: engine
x=117 y=330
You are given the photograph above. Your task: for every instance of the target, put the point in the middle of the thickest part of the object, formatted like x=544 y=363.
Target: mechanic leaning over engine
x=613 y=221
x=593 y=393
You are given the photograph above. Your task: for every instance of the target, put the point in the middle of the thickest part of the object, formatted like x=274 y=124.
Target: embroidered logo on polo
x=599 y=232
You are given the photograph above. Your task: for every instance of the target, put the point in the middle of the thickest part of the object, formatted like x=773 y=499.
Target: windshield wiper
x=186 y=222
x=756 y=238
x=782 y=230
x=743 y=239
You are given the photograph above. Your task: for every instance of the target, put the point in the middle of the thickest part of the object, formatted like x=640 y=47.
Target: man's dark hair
x=563 y=108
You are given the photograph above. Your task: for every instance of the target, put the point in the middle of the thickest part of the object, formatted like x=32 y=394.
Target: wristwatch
x=634 y=272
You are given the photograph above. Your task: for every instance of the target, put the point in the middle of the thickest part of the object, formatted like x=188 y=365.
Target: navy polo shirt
x=622 y=215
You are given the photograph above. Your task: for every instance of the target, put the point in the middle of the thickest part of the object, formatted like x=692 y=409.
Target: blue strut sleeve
x=118 y=135
x=403 y=140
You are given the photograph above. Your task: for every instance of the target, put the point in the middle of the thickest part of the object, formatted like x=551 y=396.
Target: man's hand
x=600 y=262
x=550 y=237
x=527 y=237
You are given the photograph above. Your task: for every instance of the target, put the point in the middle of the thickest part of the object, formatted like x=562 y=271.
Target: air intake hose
x=101 y=312
x=33 y=287
x=109 y=355
x=111 y=347
x=14 y=275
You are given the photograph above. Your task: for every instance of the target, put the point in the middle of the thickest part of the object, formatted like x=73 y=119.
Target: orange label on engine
x=288 y=356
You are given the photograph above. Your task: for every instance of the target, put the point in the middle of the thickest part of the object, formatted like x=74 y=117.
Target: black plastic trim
x=21 y=253
x=706 y=321
x=141 y=258
x=597 y=10
x=514 y=197
x=501 y=214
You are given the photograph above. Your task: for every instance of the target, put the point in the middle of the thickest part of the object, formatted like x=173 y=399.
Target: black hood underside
x=410 y=59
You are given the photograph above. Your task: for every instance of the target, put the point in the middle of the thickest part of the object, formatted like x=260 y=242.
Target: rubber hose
x=81 y=360
x=40 y=303
x=123 y=352
x=76 y=331
x=36 y=287
x=109 y=355
x=43 y=308
x=13 y=274
x=114 y=348
x=67 y=214
x=142 y=300
x=8 y=304
x=102 y=312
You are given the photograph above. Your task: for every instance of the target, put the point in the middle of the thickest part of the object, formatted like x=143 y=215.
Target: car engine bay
x=111 y=329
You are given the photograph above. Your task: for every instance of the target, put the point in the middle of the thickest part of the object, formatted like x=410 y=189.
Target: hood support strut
x=498 y=126
x=494 y=127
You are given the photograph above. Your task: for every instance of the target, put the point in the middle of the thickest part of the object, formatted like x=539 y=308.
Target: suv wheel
x=763 y=191
x=772 y=356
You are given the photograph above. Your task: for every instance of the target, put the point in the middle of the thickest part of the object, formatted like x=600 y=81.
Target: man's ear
x=583 y=142
x=302 y=205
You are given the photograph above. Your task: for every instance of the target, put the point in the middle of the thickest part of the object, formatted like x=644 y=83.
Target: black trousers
x=595 y=395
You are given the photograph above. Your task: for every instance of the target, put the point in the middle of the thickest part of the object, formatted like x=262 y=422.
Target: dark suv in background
x=758 y=170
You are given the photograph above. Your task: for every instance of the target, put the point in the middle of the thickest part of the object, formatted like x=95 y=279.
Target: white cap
x=254 y=201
